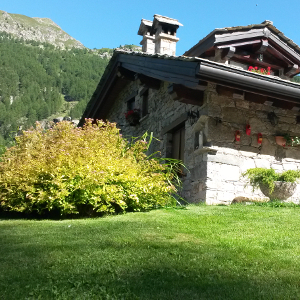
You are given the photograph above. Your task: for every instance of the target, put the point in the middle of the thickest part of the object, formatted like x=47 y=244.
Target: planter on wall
x=133 y=119
x=280 y=140
x=282 y=190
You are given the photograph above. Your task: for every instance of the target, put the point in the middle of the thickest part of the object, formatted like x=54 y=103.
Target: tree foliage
x=296 y=79
x=89 y=170
x=36 y=78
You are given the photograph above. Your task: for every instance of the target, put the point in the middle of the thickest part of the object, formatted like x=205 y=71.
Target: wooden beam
x=171 y=66
x=263 y=47
x=224 y=54
x=282 y=104
x=255 y=98
x=132 y=76
x=239 y=38
x=240 y=35
x=287 y=48
x=237 y=44
x=150 y=82
x=105 y=104
x=186 y=95
x=165 y=75
x=255 y=62
x=132 y=95
x=202 y=85
x=144 y=90
x=230 y=92
x=201 y=46
x=99 y=94
x=292 y=71
x=270 y=101
x=253 y=83
x=224 y=91
x=279 y=55
x=228 y=53
x=178 y=122
x=126 y=74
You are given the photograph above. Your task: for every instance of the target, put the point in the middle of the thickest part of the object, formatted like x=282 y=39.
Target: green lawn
x=202 y=252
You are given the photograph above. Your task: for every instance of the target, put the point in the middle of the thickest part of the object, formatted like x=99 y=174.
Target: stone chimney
x=148 y=39
x=159 y=36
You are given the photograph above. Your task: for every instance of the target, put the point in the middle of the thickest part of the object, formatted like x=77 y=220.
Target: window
x=131 y=104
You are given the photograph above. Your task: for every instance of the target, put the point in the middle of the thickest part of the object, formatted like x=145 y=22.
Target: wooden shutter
x=178 y=141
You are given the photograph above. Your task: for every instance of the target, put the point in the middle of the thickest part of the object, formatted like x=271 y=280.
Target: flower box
x=280 y=140
x=133 y=117
x=262 y=71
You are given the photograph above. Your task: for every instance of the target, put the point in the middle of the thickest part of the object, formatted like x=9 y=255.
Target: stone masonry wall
x=163 y=110
x=231 y=159
x=214 y=160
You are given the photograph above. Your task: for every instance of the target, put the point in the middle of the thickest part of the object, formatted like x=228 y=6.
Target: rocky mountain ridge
x=37 y=29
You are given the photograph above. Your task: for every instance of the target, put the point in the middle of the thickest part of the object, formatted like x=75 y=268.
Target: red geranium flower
x=131 y=112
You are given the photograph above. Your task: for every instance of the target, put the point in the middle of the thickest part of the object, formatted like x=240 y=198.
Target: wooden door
x=178 y=141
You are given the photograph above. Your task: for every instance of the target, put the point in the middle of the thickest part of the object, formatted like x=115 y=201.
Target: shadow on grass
x=56 y=215
x=8 y=215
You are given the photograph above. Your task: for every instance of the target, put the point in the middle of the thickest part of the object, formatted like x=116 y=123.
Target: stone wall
x=163 y=111
x=231 y=159
x=215 y=161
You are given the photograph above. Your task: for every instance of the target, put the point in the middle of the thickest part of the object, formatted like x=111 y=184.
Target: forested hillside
x=38 y=80
x=296 y=79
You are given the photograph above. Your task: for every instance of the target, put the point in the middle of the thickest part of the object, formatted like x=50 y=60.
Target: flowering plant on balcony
x=287 y=140
x=133 y=116
x=263 y=71
x=291 y=140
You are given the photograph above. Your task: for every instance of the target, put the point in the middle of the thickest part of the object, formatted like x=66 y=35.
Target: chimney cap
x=268 y=22
x=145 y=26
x=161 y=19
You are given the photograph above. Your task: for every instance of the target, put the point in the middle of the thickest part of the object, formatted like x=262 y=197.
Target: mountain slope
x=36 y=29
x=39 y=81
x=45 y=74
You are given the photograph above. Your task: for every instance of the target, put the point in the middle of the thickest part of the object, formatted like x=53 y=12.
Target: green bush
x=268 y=176
x=88 y=171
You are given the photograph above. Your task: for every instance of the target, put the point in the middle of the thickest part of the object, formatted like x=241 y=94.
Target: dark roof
x=210 y=39
x=187 y=71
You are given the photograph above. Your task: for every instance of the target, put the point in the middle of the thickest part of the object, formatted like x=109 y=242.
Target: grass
x=202 y=252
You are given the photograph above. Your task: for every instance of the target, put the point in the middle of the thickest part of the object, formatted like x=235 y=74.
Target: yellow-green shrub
x=86 y=170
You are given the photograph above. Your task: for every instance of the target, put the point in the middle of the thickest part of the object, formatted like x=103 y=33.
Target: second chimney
x=148 y=38
x=159 y=36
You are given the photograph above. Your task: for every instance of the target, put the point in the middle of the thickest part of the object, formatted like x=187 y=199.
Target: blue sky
x=110 y=23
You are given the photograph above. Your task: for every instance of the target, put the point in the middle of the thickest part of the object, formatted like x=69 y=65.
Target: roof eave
x=256 y=30
x=101 y=88
x=248 y=81
x=193 y=70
